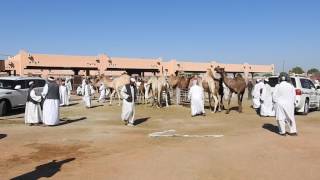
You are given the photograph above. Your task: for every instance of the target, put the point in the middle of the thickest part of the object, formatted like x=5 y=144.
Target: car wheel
x=3 y=108
x=306 y=108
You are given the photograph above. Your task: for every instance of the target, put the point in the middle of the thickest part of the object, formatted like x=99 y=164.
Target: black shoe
x=293 y=134
x=283 y=134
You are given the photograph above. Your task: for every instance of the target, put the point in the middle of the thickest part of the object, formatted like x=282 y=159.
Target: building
x=2 y=67
x=26 y=64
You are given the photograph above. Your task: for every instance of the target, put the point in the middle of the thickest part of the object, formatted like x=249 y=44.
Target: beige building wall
x=25 y=63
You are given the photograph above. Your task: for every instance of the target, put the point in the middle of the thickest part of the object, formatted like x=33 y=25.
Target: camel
x=157 y=85
x=177 y=83
x=236 y=85
x=106 y=81
x=141 y=90
x=211 y=87
x=117 y=84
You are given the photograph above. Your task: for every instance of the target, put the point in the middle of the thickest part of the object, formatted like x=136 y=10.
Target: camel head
x=219 y=70
x=173 y=81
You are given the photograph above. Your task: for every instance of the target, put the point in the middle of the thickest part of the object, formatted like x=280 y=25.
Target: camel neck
x=224 y=77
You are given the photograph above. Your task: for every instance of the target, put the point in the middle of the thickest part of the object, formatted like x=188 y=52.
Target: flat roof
x=13 y=78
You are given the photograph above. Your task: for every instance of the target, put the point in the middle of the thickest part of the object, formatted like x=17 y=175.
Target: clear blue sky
x=229 y=31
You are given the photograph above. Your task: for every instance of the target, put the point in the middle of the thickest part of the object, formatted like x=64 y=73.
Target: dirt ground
x=94 y=144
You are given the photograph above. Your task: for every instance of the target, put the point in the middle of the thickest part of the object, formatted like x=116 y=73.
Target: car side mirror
x=17 y=87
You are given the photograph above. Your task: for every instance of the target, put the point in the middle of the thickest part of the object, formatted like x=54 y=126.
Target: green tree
x=313 y=71
x=297 y=70
x=267 y=75
x=283 y=74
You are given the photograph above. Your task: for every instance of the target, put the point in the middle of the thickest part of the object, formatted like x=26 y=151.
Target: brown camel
x=157 y=85
x=236 y=85
x=177 y=83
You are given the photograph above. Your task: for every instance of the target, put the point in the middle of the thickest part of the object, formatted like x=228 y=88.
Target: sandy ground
x=94 y=144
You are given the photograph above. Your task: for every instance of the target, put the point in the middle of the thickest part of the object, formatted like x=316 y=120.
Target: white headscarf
x=194 y=82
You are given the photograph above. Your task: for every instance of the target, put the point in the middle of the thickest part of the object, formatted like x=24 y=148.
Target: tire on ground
x=306 y=107
x=3 y=108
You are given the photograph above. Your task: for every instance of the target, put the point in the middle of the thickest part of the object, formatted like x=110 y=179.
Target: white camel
x=211 y=87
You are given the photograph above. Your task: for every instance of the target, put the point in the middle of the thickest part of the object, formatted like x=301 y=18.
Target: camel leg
x=209 y=95
x=167 y=104
x=240 y=103
x=143 y=98
x=146 y=92
x=239 y=97
x=119 y=98
x=221 y=103
x=111 y=96
x=178 y=95
x=216 y=102
x=159 y=100
x=229 y=100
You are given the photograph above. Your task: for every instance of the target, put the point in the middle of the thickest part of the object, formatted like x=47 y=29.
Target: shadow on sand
x=68 y=121
x=271 y=127
x=44 y=170
x=2 y=136
x=14 y=114
x=140 y=121
x=72 y=104
x=96 y=106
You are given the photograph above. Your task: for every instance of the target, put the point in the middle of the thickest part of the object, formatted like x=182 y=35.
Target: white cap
x=266 y=79
x=51 y=78
x=132 y=80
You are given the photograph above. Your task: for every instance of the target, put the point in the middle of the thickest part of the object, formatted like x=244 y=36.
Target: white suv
x=14 y=91
x=307 y=95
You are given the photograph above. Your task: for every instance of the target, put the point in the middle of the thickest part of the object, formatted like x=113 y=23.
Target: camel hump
x=239 y=76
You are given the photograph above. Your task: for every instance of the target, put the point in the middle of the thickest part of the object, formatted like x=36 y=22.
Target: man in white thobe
x=284 y=97
x=64 y=97
x=129 y=95
x=84 y=80
x=33 y=113
x=69 y=88
x=86 y=91
x=79 y=90
x=51 y=103
x=256 y=94
x=196 y=96
x=102 y=90
x=267 y=108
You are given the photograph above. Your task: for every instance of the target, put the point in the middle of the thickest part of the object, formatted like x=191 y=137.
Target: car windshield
x=6 y=84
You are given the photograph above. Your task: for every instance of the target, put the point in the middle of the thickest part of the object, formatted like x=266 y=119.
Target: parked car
x=307 y=95
x=14 y=91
